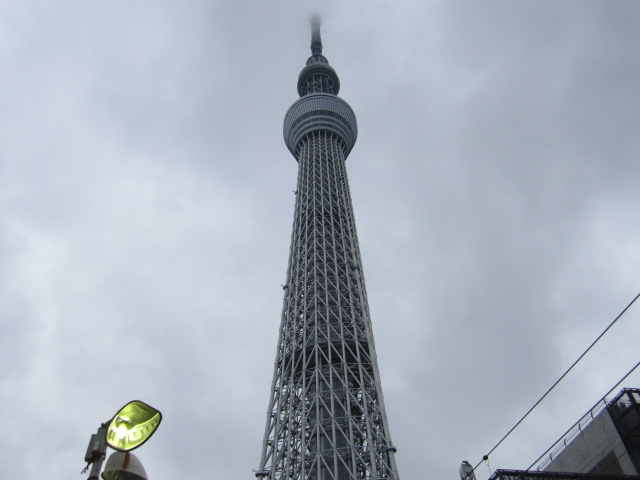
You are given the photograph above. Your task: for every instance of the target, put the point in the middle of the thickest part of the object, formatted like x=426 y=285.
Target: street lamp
x=128 y=429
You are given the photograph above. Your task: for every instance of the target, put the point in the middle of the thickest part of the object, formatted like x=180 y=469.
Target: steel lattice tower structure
x=326 y=418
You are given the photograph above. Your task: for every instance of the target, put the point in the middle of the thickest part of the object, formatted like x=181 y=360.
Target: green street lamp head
x=132 y=426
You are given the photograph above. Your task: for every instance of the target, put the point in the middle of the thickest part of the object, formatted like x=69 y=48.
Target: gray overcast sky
x=146 y=206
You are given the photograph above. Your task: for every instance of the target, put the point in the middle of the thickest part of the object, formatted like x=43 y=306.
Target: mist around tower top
x=315 y=19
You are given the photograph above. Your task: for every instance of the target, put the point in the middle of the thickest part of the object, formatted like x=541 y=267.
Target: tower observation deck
x=326 y=418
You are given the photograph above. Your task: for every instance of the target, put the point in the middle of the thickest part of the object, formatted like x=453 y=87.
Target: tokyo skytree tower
x=326 y=418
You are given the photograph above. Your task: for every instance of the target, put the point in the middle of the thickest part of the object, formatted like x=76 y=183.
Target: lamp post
x=128 y=429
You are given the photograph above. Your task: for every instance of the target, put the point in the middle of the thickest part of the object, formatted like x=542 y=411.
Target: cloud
x=146 y=204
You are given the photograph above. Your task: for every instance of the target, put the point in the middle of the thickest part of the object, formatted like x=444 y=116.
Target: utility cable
x=486 y=456
x=592 y=408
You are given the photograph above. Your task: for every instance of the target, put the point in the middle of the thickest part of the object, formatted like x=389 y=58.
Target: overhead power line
x=592 y=408
x=486 y=456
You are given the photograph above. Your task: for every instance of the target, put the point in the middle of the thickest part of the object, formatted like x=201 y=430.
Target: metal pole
x=97 y=451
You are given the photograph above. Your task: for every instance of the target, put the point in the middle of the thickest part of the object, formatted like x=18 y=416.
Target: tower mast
x=326 y=418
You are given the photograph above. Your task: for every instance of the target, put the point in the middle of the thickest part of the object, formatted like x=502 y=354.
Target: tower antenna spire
x=317 y=76
x=316 y=42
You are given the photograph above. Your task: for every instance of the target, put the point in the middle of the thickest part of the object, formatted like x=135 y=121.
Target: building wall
x=597 y=449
